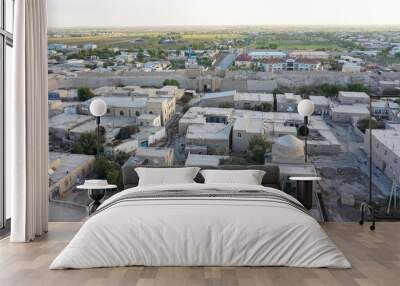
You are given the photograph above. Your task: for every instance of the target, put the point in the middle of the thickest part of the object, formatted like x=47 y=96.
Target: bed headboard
x=271 y=177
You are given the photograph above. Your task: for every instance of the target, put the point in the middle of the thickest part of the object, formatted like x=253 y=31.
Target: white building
x=381 y=108
x=351 y=97
x=243 y=130
x=214 y=136
x=203 y=115
x=385 y=151
x=345 y=113
x=259 y=55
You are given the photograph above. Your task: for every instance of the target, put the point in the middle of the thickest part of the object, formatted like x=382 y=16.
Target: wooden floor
x=375 y=257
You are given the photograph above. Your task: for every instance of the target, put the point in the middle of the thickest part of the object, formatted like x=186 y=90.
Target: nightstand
x=304 y=190
x=96 y=191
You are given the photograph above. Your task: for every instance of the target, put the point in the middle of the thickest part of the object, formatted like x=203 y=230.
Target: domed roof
x=288 y=149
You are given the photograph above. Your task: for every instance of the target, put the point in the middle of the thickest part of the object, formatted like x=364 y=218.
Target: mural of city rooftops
x=218 y=98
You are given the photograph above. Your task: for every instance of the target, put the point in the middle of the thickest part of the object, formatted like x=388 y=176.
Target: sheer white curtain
x=26 y=117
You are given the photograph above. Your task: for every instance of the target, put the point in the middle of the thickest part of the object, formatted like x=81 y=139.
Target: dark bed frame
x=270 y=179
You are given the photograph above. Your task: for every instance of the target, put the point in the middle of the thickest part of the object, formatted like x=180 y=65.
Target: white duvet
x=202 y=232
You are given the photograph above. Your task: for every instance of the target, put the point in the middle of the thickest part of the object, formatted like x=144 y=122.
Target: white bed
x=210 y=230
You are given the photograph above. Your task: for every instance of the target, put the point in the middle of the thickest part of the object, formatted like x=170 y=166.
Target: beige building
x=162 y=106
x=171 y=90
x=149 y=120
x=243 y=130
x=350 y=97
x=345 y=113
x=215 y=137
x=119 y=106
x=194 y=160
x=385 y=151
x=67 y=170
x=155 y=156
x=252 y=100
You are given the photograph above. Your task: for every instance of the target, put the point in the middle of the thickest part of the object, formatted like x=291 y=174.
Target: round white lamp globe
x=98 y=107
x=305 y=107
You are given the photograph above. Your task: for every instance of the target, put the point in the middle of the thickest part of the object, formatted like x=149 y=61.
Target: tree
x=264 y=107
x=171 y=82
x=304 y=90
x=87 y=143
x=126 y=132
x=363 y=124
x=274 y=93
x=225 y=104
x=273 y=46
x=121 y=157
x=185 y=99
x=358 y=87
x=257 y=148
x=107 y=169
x=84 y=93
x=140 y=56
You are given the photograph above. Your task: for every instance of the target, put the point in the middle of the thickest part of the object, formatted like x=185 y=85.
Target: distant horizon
x=156 y=13
x=230 y=26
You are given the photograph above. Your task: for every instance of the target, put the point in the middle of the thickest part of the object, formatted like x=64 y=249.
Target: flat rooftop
x=353 y=94
x=257 y=97
x=319 y=100
x=351 y=109
x=221 y=94
x=389 y=138
x=108 y=122
x=153 y=152
x=267 y=54
x=121 y=101
x=249 y=125
x=67 y=163
x=68 y=120
x=203 y=160
x=288 y=96
x=209 y=131
x=382 y=104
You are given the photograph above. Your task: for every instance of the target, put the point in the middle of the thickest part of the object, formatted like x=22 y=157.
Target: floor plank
x=375 y=257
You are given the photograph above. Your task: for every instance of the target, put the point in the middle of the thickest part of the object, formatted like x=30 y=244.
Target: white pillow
x=166 y=176
x=247 y=177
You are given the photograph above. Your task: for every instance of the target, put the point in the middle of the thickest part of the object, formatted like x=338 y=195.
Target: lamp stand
x=98 y=137
x=305 y=139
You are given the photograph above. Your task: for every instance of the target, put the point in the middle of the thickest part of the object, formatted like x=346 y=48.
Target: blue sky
x=75 y=13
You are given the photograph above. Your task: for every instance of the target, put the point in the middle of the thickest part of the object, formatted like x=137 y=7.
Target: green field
x=204 y=38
